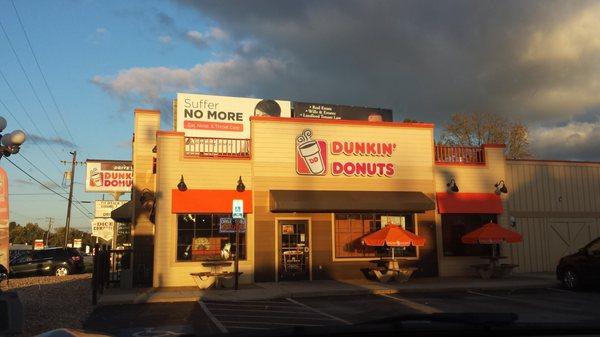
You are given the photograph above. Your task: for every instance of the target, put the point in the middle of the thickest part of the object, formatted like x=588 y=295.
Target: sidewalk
x=273 y=290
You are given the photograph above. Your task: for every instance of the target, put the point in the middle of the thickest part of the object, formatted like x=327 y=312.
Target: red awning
x=209 y=201
x=479 y=203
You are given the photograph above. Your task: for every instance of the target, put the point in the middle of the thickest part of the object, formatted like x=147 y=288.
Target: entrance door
x=294 y=250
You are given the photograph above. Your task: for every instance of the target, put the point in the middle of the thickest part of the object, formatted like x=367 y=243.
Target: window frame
x=484 y=249
x=360 y=259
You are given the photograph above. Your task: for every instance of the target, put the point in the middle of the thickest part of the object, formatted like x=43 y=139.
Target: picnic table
x=388 y=269
x=216 y=272
x=493 y=268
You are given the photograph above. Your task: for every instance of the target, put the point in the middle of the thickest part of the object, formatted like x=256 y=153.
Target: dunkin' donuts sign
x=108 y=176
x=347 y=158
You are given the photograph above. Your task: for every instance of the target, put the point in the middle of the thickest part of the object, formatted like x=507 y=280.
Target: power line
x=37 y=97
x=31 y=120
x=60 y=114
x=46 y=187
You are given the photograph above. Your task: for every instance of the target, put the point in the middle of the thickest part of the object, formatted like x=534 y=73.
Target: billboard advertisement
x=103 y=208
x=108 y=176
x=103 y=228
x=332 y=111
x=221 y=116
x=3 y=218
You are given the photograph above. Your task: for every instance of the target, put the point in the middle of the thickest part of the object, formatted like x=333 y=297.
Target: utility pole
x=68 y=220
x=48 y=232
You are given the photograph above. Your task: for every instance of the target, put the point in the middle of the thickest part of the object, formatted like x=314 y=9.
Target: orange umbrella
x=392 y=236
x=492 y=233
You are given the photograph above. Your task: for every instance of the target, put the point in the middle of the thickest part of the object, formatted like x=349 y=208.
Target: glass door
x=294 y=250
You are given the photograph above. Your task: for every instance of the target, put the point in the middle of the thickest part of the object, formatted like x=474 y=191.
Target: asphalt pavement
x=543 y=305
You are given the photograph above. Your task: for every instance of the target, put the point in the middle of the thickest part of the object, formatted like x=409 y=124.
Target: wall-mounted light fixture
x=452 y=185
x=500 y=187
x=240 y=185
x=182 y=186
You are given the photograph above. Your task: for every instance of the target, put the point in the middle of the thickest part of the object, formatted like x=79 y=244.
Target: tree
x=478 y=128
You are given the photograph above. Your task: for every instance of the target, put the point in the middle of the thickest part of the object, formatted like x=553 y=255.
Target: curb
x=232 y=297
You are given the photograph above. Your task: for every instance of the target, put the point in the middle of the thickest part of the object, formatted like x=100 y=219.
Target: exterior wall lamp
x=240 y=185
x=10 y=143
x=182 y=186
x=452 y=185
x=500 y=187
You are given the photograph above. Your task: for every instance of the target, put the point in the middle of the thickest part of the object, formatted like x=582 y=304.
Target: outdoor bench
x=384 y=274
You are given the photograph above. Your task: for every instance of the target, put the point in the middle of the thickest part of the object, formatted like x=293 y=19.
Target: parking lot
x=544 y=305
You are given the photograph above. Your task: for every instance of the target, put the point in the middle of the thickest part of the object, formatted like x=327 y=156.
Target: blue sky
x=534 y=61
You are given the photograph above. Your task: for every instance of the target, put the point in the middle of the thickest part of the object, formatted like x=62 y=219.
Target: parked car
x=52 y=261
x=581 y=268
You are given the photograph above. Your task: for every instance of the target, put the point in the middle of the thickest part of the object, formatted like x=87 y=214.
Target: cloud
x=574 y=141
x=51 y=140
x=423 y=59
x=165 y=39
x=194 y=37
x=124 y=144
x=99 y=36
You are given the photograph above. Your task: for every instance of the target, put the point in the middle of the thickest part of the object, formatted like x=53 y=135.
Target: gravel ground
x=51 y=302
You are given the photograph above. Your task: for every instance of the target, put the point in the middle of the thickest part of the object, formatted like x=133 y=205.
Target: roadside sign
x=103 y=228
x=38 y=244
x=77 y=243
x=238 y=209
x=103 y=208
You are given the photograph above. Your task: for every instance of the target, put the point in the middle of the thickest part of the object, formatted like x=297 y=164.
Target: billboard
x=4 y=253
x=332 y=111
x=221 y=116
x=103 y=228
x=108 y=176
x=103 y=208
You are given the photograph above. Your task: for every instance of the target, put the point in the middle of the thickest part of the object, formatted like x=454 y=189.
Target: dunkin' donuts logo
x=311 y=155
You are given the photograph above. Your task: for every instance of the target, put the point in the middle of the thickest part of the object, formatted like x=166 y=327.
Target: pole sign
x=108 y=176
x=38 y=244
x=77 y=243
x=238 y=209
x=103 y=208
x=222 y=116
x=4 y=232
x=103 y=228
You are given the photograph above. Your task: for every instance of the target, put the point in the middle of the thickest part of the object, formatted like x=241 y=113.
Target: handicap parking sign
x=238 y=209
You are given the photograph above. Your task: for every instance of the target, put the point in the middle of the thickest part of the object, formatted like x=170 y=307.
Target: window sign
x=393 y=220
x=228 y=225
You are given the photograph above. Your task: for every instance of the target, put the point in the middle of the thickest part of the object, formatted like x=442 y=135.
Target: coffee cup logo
x=95 y=178
x=311 y=155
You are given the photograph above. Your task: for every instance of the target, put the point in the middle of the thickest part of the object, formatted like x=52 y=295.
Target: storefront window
x=454 y=226
x=349 y=229
x=204 y=237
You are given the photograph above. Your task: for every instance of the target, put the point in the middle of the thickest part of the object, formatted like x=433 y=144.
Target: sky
x=93 y=62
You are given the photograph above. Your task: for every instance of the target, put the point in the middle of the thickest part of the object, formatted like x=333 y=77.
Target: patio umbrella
x=392 y=236
x=490 y=234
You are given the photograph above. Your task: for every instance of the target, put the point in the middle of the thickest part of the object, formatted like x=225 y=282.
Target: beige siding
x=470 y=179
x=198 y=174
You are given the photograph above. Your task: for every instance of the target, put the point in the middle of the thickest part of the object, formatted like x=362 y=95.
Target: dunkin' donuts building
x=319 y=177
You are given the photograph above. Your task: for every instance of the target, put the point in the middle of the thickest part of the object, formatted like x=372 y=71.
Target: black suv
x=57 y=261
x=581 y=268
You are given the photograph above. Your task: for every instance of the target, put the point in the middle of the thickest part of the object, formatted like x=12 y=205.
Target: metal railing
x=109 y=265
x=459 y=154
x=217 y=147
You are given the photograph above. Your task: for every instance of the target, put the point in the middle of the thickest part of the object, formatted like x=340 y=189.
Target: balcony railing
x=459 y=154
x=217 y=147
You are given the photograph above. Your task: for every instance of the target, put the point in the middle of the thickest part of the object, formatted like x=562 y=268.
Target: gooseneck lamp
x=452 y=185
x=500 y=187
x=182 y=186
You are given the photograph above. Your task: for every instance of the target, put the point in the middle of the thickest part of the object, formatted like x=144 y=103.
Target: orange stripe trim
x=208 y=201
x=146 y=111
x=341 y=121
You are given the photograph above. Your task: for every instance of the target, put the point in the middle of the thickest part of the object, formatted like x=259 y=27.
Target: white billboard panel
x=108 y=176
x=222 y=116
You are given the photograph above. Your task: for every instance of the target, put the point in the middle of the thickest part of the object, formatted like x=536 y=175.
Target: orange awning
x=393 y=236
x=478 y=203
x=209 y=201
x=492 y=233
